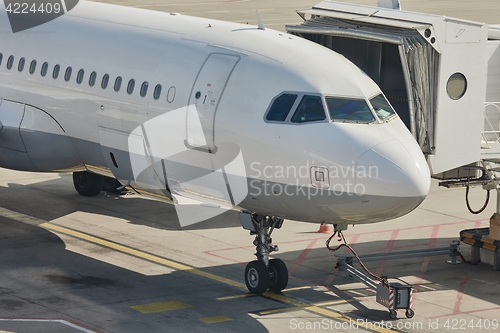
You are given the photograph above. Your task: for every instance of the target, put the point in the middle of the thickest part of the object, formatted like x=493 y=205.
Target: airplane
x=208 y=114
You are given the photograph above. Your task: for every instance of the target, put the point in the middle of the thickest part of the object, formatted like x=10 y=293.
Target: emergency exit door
x=204 y=100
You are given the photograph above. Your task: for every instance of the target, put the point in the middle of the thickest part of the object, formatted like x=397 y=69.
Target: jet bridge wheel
x=87 y=183
x=278 y=275
x=256 y=277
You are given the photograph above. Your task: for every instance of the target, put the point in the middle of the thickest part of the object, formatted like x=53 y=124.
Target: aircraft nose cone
x=394 y=169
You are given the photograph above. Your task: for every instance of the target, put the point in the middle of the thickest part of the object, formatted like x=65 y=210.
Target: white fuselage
x=231 y=74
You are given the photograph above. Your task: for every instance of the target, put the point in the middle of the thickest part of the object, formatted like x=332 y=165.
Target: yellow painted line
x=274 y=311
x=215 y=320
x=323 y=312
x=226 y=298
x=181 y=267
x=297 y=288
x=115 y=246
x=161 y=307
x=329 y=303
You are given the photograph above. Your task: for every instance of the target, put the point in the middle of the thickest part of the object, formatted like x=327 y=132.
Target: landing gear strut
x=264 y=273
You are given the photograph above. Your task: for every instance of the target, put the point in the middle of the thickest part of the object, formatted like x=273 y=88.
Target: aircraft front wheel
x=257 y=277
x=278 y=275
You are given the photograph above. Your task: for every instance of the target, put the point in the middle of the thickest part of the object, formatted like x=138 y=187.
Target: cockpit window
x=309 y=109
x=281 y=107
x=382 y=107
x=349 y=110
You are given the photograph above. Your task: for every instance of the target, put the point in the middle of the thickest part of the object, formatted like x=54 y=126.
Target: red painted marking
x=425 y=262
x=301 y=258
x=466 y=312
x=388 y=248
x=460 y=294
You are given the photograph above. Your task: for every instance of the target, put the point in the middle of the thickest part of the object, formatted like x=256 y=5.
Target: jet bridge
x=442 y=75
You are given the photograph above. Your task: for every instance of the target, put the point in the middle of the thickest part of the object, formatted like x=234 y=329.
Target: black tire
x=409 y=313
x=278 y=275
x=256 y=277
x=87 y=183
x=393 y=314
x=111 y=185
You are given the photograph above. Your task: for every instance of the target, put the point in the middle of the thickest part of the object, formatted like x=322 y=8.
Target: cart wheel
x=393 y=314
x=409 y=313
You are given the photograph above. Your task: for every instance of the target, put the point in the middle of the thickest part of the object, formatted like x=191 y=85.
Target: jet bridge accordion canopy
x=433 y=69
x=419 y=62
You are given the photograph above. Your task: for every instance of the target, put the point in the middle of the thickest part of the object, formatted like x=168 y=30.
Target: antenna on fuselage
x=260 y=22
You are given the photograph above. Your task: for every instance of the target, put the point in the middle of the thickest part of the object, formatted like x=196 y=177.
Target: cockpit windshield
x=382 y=108
x=349 y=110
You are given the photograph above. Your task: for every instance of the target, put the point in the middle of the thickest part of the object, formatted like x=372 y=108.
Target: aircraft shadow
x=41 y=279
x=316 y=268
x=134 y=208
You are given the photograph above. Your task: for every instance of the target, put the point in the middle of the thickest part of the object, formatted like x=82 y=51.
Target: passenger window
x=33 y=67
x=10 y=62
x=79 y=77
x=144 y=89
x=309 y=109
x=157 y=92
x=382 y=107
x=1 y=57
x=45 y=68
x=105 y=81
x=130 y=86
x=20 y=67
x=118 y=83
x=354 y=110
x=92 y=79
x=67 y=75
x=281 y=107
x=55 y=73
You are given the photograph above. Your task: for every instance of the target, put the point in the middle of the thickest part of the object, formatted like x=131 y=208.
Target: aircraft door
x=204 y=100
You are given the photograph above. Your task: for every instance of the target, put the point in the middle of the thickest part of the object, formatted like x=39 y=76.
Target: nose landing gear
x=264 y=273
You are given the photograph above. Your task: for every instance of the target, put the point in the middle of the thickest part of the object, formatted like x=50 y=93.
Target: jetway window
x=20 y=67
x=118 y=83
x=349 y=110
x=33 y=67
x=382 y=107
x=144 y=89
x=456 y=86
x=10 y=62
x=310 y=109
x=281 y=107
x=79 y=77
x=45 y=68
x=105 y=81
x=92 y=79
x=67 y=75
x=157 y=92
x=130 y=86
x=55 y=73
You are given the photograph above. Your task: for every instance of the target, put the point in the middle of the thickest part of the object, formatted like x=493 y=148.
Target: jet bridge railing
x=491 y=132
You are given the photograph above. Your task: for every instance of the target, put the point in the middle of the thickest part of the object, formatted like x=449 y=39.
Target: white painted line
x=60 y=321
